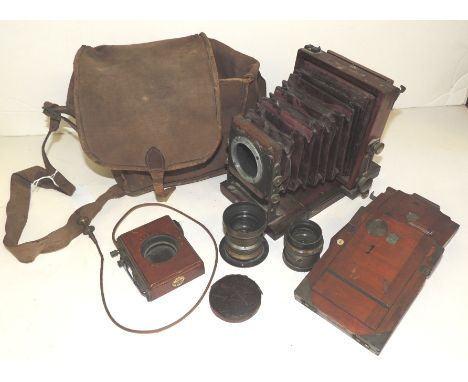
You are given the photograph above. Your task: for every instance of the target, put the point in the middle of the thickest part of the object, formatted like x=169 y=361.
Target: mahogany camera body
x=312 y=141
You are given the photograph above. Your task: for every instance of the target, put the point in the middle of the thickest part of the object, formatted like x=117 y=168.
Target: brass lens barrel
x=244 y=244
x=303 y=244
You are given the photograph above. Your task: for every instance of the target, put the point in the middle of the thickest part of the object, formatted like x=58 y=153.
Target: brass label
x=178 y=281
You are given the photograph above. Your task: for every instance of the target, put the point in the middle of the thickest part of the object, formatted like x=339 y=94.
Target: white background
x=429 y=57
x=52 y=324
x=51 y=316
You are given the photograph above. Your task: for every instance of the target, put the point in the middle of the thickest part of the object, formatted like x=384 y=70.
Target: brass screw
x=277 y=181
x=275 y=199
x=340 y=242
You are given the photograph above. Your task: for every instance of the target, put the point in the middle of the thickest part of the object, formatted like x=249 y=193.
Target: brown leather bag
x=158 y=114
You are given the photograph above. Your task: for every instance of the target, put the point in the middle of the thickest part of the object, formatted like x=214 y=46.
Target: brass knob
x=378 y=147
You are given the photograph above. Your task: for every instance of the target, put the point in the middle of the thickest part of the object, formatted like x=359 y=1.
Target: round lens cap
x=235 y=298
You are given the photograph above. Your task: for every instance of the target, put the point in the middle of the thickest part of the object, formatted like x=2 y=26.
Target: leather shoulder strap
x=17 y=209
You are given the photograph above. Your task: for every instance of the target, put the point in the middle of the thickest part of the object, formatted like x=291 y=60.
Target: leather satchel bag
x=158 y=114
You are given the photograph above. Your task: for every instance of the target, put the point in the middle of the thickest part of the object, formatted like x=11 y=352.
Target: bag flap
x=132 y=98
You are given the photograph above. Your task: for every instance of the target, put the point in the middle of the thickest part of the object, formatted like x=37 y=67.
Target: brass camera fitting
x=244 y=244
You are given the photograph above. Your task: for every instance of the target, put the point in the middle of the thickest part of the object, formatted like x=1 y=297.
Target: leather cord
x=21 y=185
x=88 y=230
